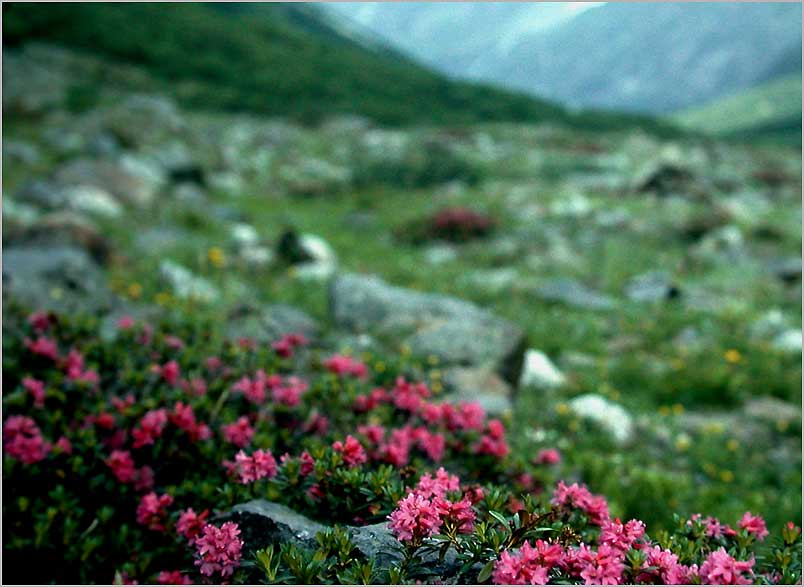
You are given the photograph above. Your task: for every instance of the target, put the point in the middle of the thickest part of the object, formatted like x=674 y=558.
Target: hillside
x=277 y=59
x=646 y=57
x=773 y=108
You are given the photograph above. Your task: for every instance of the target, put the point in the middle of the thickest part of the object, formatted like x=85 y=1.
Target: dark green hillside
x=277 y=59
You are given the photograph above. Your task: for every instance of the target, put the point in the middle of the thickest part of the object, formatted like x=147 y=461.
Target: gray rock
x=269 y=323
x=480 y=385
x=574 y=293
x=60 y=229
x=43 y=194
x=787 y=270
x=185 y=284
x=610 y=416
x=128 y=181
x=440 y=254
x=263 y=522
x=772 y=410
x=62 y=278
x=788 y=341
x=653 y=286
x=20 y=153
x=455 y=331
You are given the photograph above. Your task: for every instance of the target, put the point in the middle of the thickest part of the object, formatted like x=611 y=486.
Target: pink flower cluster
x=183 y=418
x=345 y=365
x=493 y=441
x=720 y=568
x=44 y=347
x=353 y=452
x=238 y=433
x=37 y=389
x=74 y=367
x=754 y=525
x=152 y=510
x=173 y=578
x=190 y=525
x=151 y=427
x=396 y=449
x=426 y=509
x=712 y=526
x=122 y=465
x=286 y=345
x=530 y=565
x=579 y=497
x=23 y=440
x=218 y=550
x=170 y=372
x=252 y=468
x=286 y=392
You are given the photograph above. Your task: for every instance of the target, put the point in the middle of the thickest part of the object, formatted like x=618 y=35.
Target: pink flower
x=488 y=445
x=152 y=511
x=316 y=424
x=462 y=516
x=397 y=450
x=23 y=440
x=343 y=365
x=548 y=456
x=191 y=524
x=712 y=526
x=174 y=342
x=604 y=567
x=439 y=485
x=170 y=372
x=213 y=363
x=621 y=536
x=531 y=565
x=755 y=525
x=197 y=386
x=257 y=466
x=373 y=432
x=64 y=445
x=415 y=517
x=307 y=464
x=238 y=433
x=39 y=321
x=665 y=568
x=75 y=368
x=151 y=427
x=122 y=405
x=173 y=578
x=578 y=496
x=184 y=418
x=252 y=389
x=409 y=396
x=125 y=322
x=122 y=465
x=44 y=347
x=352 y=451
x=285 y=346
x=290 y=393
x=218 y=550
x=432 y=443
x=720 y=568
x=37 y=389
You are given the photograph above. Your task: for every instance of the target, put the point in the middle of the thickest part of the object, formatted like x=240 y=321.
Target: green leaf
x=499 y=517
x=485 y=572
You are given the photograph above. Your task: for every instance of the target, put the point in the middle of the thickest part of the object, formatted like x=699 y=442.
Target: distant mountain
x=288 y=59
x=770 y=110
x=649 y=57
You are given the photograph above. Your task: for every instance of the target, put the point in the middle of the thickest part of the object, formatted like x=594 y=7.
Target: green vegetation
x=278 y=59
x=769 y=111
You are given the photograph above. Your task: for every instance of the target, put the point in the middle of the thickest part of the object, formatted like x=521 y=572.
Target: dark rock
x=575 y=294
x=788 y=270
x=64 y=279
x=664 y=179
x=455 y=331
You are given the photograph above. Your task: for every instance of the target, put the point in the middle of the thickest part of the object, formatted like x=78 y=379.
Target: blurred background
x=621 y=181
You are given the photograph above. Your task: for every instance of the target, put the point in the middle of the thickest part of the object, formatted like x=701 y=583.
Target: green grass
x=771 y=110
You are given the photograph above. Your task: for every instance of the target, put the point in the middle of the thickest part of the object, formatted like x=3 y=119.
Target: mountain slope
x=771 y=108
x=281 y=59
x=649 y=57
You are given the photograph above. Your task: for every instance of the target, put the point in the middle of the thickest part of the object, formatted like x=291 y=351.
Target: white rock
x=257 y=256
x=314 y=271
x=318 y=249
x=245 y=235
x=788 y=341
x=574 y=205
x=539 y=371
x=93 y=200
x=440 y=254
x=185 y=284
x=610 y=416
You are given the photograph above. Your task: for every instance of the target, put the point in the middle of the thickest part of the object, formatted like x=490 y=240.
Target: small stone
x=788 y=342
x=185 y=284
x=539 y=372
x=610 y=416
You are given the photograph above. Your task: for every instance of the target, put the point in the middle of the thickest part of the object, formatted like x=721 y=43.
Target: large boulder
x=457 y=332
x=129 y=179
x=59 y=278
x=480 y=385
x=62 y=229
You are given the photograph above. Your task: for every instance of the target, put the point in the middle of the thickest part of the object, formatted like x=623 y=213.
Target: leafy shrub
x=118 y=455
